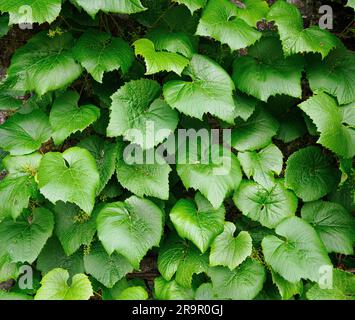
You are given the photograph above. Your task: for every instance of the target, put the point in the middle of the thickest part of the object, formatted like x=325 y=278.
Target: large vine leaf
x=343 y=288
x=220 y=20
x=121 y=6
x=294 y=38
x=19 y=185
x=262 y=165
x=230 y=251
x=73 y=227
x=268 y=206
x=44 y=64
x=252 y=11
x=157 y=61
x=311 y=174
x=334 y=224
x=263 y=75
x=130 y=228
x=242 y=283
x=214 y=179
x=25 y=238
x=108 y=269
x=199 y=223
x=105 y=154
x=52 y=256
x=256 y=132
x=177 y=42
x=192 y=5
x=140 y=115
x=70 y=176
x=66 y=117
x=210 y=91
x=181 y=258
x=351 y=4
x=170 y=290
x=300 y=254
x=334 y=75
x=336 y=132
x=31 y=11
x=25 y=133
x=141 y=178
x=98 y=52
x=55 y=286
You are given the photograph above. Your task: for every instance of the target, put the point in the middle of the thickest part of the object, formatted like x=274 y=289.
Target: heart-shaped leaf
x=66 y=117
x=311 y=174
x=199 y=223
x=230 y=251
x=55 y=286
x=300 y=254
x=268 y=206
x=70 y=176
x=131 y=228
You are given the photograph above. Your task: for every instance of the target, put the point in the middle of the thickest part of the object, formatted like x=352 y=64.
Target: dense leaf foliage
x=207 y=142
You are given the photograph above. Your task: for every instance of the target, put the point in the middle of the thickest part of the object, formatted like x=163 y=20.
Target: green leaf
x=19 y=185
x=170 y=290
x=216 y=174
x=9 y=103
x=8 y=270
x=52 y=256
x=141 y=178
x=287 y=289
x=55 y=286
x=177 y=42
x=122 y=6
x=242 y=283
x=230 y=251
x=327 y=116
x=44 y=64
x=210 y=91
x=343 y=288
x=74 y=227
x=70 y=176
x=131 y=228
x=262 y=165
x=334 y=224
x=263 y=75
x=181 y=258
x=205 y=292
x=256 y=132
x=157 y=61
x=4 y=25
x=334 y=75
x=31 y=11
x=252 y=11
x=133 y=293
x=301 y=255
x=98 y=52
x=193 y=5
x=220 y=20
x=294 y=38
x=66 y=117
x=199 y=223
x=107 y=269
x=311 y=174
x=245 y=105
x=25 y=238
x=351 y=4
x=105 y=154
x=25 y=133
x=268 y=206
x=140 y=115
